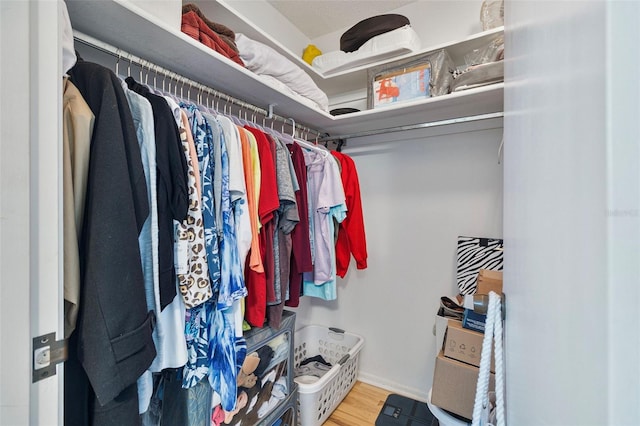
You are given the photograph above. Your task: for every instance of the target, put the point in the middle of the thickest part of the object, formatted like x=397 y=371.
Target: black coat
x=114 y=343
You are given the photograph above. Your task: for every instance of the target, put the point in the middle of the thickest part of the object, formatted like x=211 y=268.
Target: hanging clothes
x=204 y=141
x=172 y=191
x=288 y=217
x=237 y=188
x=327 y=204
x=260 y=285
x=165 y=169
x=114 y=331
x=352 y=239
x=232 y=285
x=218 y=361
x=78 y=121
x=218 y=210
x=148 y=239
x=301 y=247
x=191 y=261
x=252 y=175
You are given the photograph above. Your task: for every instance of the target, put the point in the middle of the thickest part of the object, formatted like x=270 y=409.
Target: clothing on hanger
x=77 y=129
x=267 y=201
x=351 y=233
x=260 y=285
x=288 y=218
x=171 y=183
x=114 y=332
x=326 y=205
x=301 y=247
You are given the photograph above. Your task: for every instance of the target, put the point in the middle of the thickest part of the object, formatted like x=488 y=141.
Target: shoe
x=450 y=308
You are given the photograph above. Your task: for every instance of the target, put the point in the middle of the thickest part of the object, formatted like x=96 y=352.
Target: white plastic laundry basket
x=316 y=401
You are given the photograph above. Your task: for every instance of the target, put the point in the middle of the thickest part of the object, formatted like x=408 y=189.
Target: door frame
x=31 y=297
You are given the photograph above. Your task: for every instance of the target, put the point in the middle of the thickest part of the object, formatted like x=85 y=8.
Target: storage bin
x=275 y=348
x=286 y=414
x=316 y=401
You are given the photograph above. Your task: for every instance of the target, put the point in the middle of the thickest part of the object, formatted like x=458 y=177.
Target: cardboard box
x=454 y=386
x=489 y=281
x=473 y=320
x=465 y=345
x=403 y=85
x=441 y=329
x=490 y=275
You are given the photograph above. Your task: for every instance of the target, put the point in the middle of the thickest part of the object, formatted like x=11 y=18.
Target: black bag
x=357 y=35
x=402 y=411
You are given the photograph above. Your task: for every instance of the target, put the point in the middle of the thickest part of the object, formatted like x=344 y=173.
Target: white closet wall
x=572 y=210
x=268 y=19
x=418 y=194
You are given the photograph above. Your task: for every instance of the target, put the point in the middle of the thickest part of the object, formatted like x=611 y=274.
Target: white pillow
x=264 y=60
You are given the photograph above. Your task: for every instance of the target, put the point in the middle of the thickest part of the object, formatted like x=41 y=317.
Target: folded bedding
x=265 y=61
x=384 y=46
x=274 y=83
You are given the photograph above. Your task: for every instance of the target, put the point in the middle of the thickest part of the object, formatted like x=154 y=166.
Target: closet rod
x=425 y=125
x=143 y=63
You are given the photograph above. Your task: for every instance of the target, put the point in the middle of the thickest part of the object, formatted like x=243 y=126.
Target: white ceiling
x=319 y=17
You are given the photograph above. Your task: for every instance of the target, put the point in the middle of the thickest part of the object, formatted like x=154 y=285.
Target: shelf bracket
x=270 y=111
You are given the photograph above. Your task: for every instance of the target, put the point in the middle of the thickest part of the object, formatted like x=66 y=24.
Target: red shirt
x=351 y=235
x=260 y=286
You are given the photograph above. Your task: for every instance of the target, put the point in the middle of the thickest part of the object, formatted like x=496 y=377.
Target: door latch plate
x=47 y=353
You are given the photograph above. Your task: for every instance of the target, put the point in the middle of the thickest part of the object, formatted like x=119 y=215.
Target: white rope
x=493 y=328
x=499 y=359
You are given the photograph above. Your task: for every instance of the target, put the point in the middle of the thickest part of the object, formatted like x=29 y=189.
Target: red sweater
x=196 y=28
x=351 y=235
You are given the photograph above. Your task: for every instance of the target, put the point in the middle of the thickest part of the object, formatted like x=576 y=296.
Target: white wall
x=623 y=212
x=571 y=213
x=418 y=195
x=272 y=22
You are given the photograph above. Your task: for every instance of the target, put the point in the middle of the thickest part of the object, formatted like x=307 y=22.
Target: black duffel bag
x=357 y=35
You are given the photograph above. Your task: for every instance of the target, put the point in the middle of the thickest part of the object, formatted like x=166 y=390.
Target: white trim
x=417 y=394
x=45 y=193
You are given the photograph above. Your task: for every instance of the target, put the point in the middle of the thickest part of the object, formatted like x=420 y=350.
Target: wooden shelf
x=125 y=26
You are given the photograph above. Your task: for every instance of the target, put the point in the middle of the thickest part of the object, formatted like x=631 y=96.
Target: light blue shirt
x=142 y=114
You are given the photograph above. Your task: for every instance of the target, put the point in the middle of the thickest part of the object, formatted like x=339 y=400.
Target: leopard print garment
x=190 y=254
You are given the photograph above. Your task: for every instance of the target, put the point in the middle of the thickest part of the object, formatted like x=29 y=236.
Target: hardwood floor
x=360 y=407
